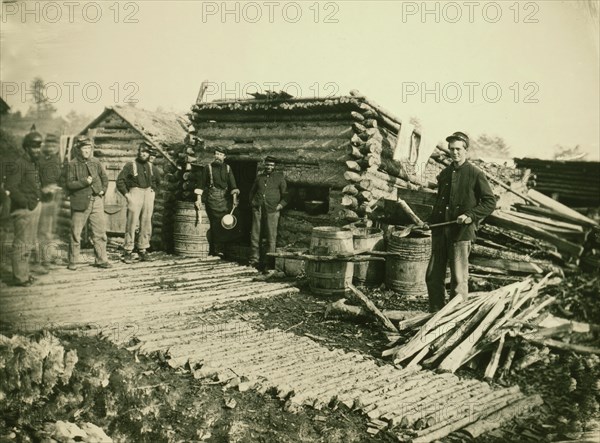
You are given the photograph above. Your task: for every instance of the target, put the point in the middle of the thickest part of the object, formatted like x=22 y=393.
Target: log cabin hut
x=116 y=134
x=340 y=156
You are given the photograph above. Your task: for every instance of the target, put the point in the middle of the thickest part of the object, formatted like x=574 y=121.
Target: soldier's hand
x=89 y=179
x=464 y=220
x=197 y=205
x=279 y=208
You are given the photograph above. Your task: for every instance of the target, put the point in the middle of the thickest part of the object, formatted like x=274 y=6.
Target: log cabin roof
x=162 y=129
x=576 y=182
x=297 y=105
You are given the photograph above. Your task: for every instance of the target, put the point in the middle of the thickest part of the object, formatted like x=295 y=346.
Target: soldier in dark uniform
x=217 y=183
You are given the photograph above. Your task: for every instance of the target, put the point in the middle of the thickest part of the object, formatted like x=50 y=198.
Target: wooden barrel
x=330 y=277
x=369 y=273
x=405 y=274
x=190 y=237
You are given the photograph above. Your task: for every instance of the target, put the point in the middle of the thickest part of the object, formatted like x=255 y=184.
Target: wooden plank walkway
x=167 y=306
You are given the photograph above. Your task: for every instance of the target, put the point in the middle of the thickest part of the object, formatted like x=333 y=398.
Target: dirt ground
x=140 y=398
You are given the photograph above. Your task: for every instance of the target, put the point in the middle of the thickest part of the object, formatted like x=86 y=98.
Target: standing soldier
x=135 y=182
x=216 y=182
x=24 y=188
x=86 y=182
x=464 y=195
x=50 y=170
x=267 y=198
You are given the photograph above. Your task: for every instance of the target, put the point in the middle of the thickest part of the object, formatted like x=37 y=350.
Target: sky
x=526 y=71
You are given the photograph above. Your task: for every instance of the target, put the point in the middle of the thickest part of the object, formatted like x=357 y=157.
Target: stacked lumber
x=487 y=322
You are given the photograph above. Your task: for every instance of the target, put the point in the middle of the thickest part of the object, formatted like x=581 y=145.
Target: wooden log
x=350 y=190
x=505 y=220
x=508 y=265
x=341 y=307
x=368 y=304
x=353 y=166
x=370 y=123
x=548 y=221
x=370 y=161
x=354 y=152
x=413 y=322
x=407 y=209
x=357 y=141
x=350 y=202
x=371 y=146
x=358 y=128
x=549 y=213
x=490 y=371
x=352 y=176
x=347 y=214
x=547 y=202
x=357 y=116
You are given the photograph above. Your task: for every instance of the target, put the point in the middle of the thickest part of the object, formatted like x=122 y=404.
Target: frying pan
x=229 y=221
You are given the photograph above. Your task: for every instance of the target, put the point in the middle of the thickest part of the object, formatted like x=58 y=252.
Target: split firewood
x=408 y=210
x=342 y=308
x=415 y=321
x=456 y=357
x=368 y=304
x=490 y=371
x=507 y=365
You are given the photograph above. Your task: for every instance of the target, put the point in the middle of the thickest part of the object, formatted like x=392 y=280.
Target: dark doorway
x=245 y=174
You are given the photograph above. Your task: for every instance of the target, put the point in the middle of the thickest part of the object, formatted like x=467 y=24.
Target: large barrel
x=188 y=235
x=330 y=277
x=405 y=273
x=369 y=273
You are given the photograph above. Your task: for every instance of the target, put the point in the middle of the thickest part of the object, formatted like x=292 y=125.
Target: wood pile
x=490 y=323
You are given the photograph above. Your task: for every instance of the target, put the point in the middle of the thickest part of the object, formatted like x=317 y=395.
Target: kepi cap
x=459 y=136
x=270 y=159
x=82 y=140
x=220 y=149
x=146 y=146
